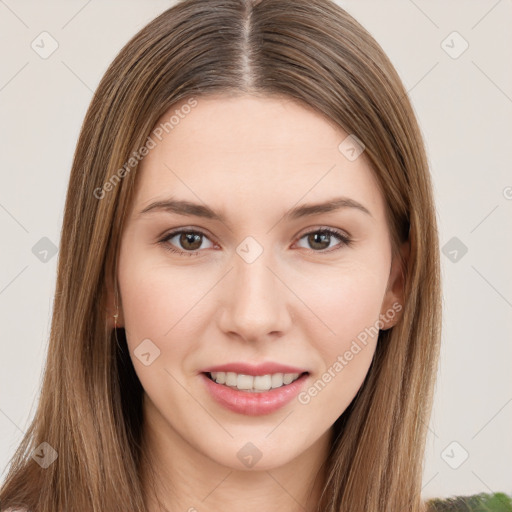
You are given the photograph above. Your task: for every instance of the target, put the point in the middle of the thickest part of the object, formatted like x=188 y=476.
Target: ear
x=113 y=305
x=393 y=302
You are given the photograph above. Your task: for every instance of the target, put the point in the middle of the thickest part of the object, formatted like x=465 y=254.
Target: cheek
x=348 y=302
x=345 y=341
x=159 y=303
x=345 y=301
x=162 y=306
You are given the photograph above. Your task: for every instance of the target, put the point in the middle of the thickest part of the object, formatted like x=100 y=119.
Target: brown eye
x=190 y=241
x=321 y=239
x=187 y=242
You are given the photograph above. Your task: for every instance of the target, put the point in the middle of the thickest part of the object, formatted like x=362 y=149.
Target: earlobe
x=394 y=298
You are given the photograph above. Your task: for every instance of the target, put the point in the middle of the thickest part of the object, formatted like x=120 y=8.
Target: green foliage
x=483 y=502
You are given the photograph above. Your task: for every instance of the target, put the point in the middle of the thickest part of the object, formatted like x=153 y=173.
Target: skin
x=298 y=303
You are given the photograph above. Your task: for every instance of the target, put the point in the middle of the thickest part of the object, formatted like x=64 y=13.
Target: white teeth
x=244 y=381
x=230 y=378
x=277 y=380
x=256 y=384
x=220 y=377
x=287 y=378
x=263 y=382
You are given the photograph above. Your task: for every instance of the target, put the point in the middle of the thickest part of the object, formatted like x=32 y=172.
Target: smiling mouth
x=254 y=384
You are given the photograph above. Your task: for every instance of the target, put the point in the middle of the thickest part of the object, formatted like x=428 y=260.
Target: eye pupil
x=320 y=238
x=190 y=238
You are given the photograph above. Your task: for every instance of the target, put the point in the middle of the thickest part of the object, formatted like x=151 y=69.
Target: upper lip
x=254 y=369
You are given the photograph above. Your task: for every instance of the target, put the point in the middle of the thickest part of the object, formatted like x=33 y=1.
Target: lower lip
x=254 y=403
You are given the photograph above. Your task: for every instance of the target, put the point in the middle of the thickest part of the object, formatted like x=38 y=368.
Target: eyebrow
x=198 y=210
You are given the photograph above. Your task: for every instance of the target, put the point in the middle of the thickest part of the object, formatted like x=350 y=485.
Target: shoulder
x=495 y=502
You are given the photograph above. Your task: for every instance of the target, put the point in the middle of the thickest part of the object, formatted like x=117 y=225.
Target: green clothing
x=483 y=502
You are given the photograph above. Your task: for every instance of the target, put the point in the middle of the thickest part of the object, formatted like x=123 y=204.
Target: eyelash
x=344 y=239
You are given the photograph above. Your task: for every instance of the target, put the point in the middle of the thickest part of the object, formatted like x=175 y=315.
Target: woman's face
x=247 y=278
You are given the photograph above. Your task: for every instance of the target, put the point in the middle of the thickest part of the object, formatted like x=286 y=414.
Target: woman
x=248 y=300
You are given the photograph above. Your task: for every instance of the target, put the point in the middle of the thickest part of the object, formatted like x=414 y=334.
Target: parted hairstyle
x=90 y=405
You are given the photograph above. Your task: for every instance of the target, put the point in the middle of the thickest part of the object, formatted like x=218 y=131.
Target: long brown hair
x=89 y=409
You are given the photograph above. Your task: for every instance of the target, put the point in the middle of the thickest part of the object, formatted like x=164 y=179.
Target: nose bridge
x=256 y=299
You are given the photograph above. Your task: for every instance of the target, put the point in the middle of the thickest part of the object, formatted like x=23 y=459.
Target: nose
x=255 y=302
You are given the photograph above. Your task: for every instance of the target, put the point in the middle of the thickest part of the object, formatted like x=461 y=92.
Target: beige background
x=464 y=106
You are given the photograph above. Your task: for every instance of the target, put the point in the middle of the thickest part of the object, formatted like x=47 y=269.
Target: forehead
x=247 y=124
x=255 y=150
